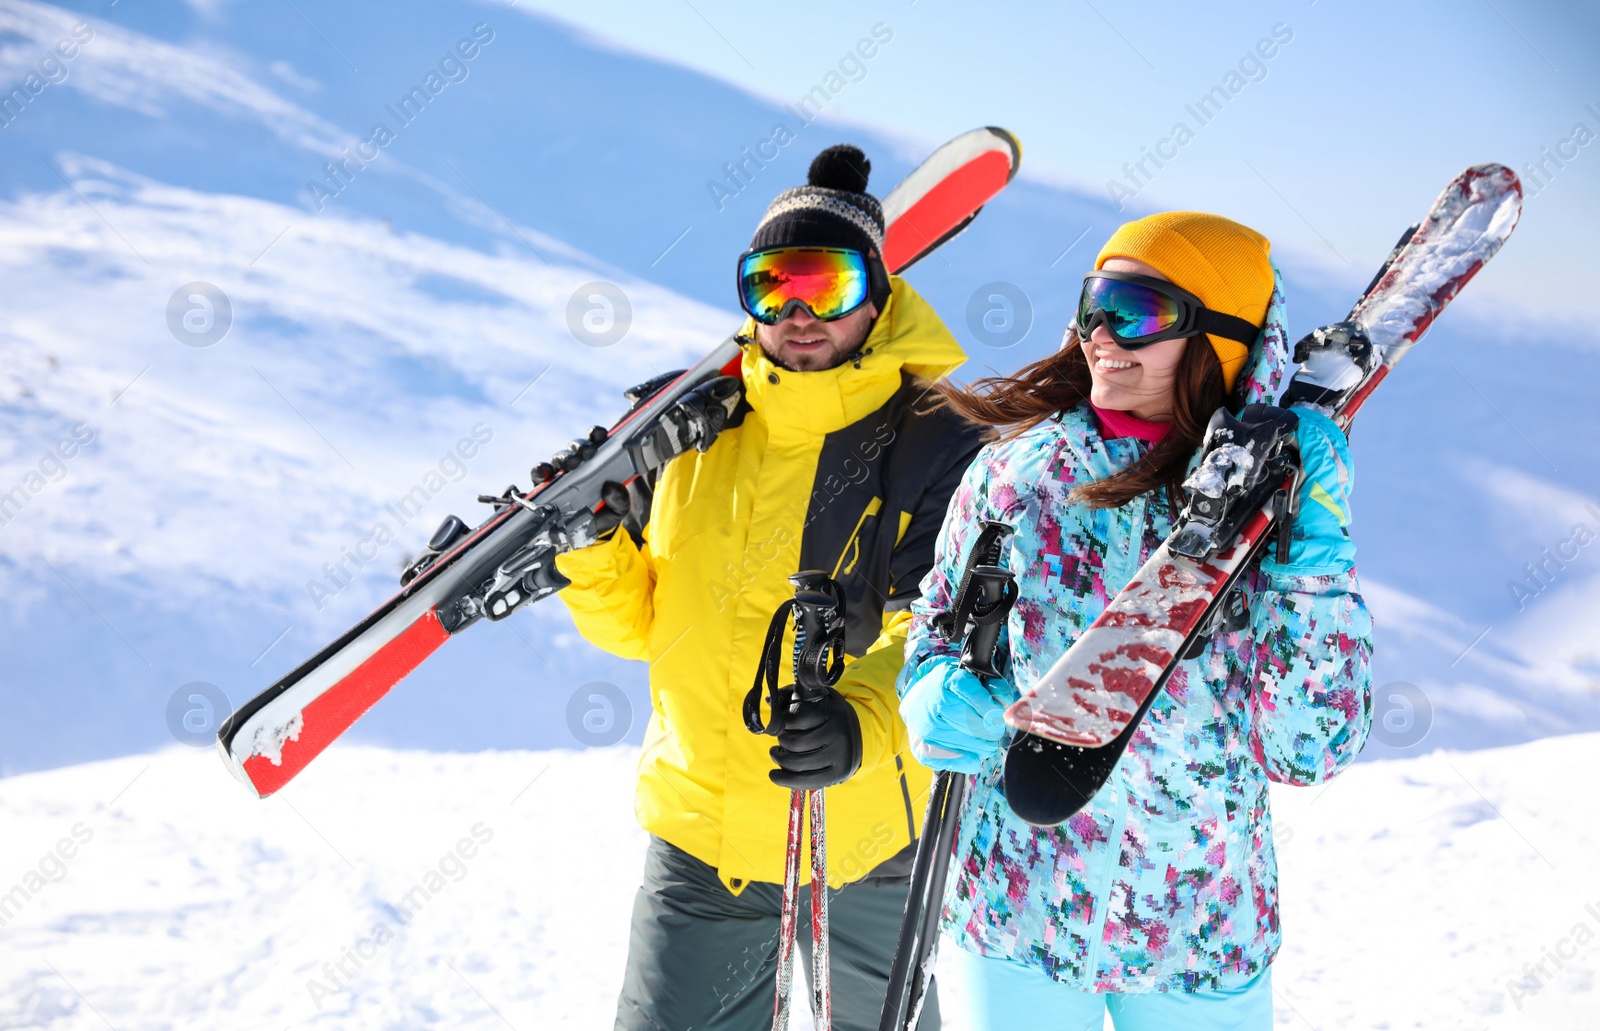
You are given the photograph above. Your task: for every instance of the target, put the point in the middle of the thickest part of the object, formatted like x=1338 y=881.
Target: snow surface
x=1415 y=893
x=1227 y=466
x=1330 y=366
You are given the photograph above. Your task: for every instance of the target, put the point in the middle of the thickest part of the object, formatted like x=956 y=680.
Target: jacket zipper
x=1102 y=895
x=855 y=539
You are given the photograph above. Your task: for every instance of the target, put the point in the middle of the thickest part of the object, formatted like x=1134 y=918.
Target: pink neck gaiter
x=1121 y=424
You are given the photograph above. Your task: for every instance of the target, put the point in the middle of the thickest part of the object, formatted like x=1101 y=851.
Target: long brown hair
x=1012 y=405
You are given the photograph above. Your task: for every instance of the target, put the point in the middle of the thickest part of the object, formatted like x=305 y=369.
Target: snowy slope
x=430 y=296
x=191 y=906
x=1415 y=893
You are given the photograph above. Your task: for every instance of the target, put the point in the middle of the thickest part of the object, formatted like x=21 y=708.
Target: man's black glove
x=819 y=745
x=702 y=413
x=614 y=507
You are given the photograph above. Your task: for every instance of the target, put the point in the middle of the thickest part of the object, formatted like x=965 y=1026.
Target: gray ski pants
x=703 y=959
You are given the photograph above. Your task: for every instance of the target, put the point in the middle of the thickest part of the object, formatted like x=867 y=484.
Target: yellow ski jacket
x=830 y=470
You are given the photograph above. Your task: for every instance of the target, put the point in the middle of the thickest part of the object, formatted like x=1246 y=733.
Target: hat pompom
x=840 y=167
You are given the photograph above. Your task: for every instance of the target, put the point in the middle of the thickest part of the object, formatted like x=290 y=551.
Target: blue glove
x=954 y=719
x=1319 y=544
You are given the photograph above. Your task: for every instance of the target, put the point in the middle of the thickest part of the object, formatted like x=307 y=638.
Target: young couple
x=851 y=454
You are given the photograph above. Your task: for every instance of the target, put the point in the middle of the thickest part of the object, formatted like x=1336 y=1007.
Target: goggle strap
x=1224 y=325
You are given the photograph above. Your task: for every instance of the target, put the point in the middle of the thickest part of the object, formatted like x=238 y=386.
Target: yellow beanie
x=1218 y=260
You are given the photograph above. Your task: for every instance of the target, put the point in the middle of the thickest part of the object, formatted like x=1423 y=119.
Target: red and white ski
x=1105 y=682
x=509 y=560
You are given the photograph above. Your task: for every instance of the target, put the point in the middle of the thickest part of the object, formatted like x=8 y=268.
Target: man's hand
x=698 y=416
x=819 y=744
x=614 y=507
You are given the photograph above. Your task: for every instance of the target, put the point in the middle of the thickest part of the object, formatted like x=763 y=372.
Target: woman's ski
x=1080 y=716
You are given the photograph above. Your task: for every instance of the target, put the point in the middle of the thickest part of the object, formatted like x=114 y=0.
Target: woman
x=1159 y=900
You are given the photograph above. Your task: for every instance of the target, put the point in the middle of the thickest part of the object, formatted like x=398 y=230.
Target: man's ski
x=509 y=560
x=1080 y=716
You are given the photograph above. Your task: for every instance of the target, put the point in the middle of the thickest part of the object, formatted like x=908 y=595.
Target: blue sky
x=1348 y=128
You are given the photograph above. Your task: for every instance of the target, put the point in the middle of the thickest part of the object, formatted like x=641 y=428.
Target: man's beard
x=843 y=355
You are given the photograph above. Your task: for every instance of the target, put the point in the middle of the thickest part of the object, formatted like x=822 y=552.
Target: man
x=826 y=464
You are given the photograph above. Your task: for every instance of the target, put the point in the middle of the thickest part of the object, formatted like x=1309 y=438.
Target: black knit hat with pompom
x=833 y=209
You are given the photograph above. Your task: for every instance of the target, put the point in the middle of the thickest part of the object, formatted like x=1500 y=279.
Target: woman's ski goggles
x=1141 y=310
x=828 y=282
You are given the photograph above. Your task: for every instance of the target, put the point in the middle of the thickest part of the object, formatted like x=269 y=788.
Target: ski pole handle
x=817 y=611
x=996 y=591
x=818 y=634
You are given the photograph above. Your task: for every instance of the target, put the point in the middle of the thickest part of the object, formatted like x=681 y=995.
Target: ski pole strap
x=767 y=671
x=991 y=605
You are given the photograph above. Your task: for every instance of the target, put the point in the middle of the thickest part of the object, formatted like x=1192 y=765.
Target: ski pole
x=818 y=613
x=979 y=609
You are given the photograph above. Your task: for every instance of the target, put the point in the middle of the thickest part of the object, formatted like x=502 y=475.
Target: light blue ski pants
x=1004 y=995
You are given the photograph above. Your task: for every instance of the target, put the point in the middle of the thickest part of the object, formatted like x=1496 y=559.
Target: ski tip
x=238 y=771
x=1489 y=178
x=1011 y=141
x=1494 y=182
x=1494 y=170
x=941 y=196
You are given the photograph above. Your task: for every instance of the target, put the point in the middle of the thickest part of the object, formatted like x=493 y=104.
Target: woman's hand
x=954 y=719
x=1319 y=544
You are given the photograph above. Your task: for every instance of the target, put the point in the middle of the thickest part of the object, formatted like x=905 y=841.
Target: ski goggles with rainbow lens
x=1141 y=310
x=828 y=282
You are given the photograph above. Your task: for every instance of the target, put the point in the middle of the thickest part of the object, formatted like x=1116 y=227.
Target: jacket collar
x=1076 y=431
x=908 y=336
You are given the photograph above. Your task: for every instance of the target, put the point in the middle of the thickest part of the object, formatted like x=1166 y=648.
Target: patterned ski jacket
x=1167 y=881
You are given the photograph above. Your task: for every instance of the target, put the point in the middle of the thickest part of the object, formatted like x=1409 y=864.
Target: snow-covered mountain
x=389 y=889
x=227 y=506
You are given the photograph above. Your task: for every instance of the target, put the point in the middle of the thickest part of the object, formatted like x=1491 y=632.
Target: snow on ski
x=508 y=560
x=1107 y=679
